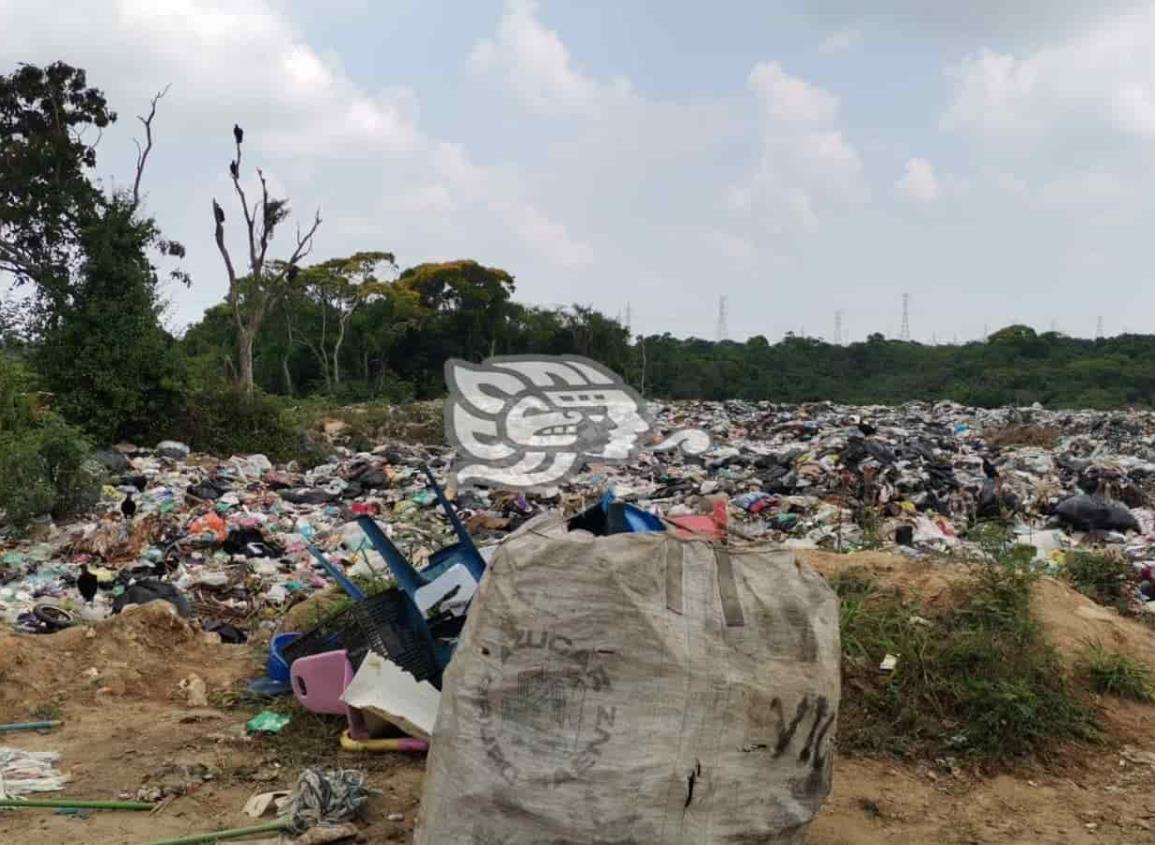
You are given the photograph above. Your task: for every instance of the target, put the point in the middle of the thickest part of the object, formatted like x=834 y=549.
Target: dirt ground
x=129 y=724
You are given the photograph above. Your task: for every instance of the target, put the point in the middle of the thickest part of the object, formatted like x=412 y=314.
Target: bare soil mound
x=143 y=653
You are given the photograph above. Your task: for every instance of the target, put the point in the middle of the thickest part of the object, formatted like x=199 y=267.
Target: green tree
x=339 y=287
x=99 y=344
x=50 y=120
x=104 y=354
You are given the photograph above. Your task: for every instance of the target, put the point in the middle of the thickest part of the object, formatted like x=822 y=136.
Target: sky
x=800 y=158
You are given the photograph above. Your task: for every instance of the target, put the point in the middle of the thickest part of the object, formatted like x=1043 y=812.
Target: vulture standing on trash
x=128 y=507
x=867 y=429
x=989 y=469
x=86 y=583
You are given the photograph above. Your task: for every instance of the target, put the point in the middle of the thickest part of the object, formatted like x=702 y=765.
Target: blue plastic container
x=276 y=667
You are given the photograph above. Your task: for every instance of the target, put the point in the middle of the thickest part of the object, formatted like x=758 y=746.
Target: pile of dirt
x=142 y=654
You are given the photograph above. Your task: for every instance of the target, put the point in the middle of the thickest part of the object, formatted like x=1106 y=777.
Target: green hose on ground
x=216 y=836
x=17 y=804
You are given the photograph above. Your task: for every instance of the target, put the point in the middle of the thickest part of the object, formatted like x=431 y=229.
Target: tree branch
x=305 y=244
x=231 y=297
x=254 y=267
x=264 y=216
x=142 y=152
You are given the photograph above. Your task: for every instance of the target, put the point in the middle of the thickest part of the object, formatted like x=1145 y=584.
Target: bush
x=1105 y=578
x=45 y=463
x=113 y=369
x=976 y=678
x=1116 y=674
x=226 y=422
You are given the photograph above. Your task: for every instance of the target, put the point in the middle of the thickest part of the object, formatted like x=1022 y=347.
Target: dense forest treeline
x=460 y=309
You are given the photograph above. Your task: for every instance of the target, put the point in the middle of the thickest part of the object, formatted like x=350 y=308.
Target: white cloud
x=1101 y=77
x=536 y=65
x=842 y=41
x=805 y=163
x=791 y=99
x=918 y=182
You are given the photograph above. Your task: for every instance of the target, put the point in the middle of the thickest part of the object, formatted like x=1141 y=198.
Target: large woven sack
x=636 y=688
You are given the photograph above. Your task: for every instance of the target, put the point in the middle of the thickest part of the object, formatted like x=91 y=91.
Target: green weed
x=1111 y=673
x=976 y=678
x=1102 y=577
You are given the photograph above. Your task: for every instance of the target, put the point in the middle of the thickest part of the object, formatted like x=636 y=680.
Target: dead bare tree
x=252 y=295
x=143 y=151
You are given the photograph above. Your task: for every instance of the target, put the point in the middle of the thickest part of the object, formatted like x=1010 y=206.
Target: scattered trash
x=321 y=835
x=229 y=536
x=143 y=592
x=326 y=796
x=260 y=804
x=889 y=663
x=268 y=722
x=1089 y=513
x=24 y=772
x=172 y=449
x=381 y=688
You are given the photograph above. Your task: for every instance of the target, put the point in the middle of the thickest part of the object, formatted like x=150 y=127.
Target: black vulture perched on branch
x=218 y=212
x=238 y=133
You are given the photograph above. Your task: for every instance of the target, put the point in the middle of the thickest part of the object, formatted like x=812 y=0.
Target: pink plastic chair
x=320 y=679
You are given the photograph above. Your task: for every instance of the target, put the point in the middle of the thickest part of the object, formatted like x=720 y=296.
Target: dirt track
x=130 y=725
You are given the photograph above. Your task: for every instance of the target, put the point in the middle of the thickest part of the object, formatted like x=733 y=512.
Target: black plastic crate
x=386 y=623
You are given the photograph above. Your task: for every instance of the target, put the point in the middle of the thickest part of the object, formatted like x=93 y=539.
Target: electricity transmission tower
x=904 y=332
x=722 y=331
x=838 y=328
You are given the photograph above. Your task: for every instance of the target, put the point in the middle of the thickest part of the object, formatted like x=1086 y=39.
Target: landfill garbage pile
x=224 y=539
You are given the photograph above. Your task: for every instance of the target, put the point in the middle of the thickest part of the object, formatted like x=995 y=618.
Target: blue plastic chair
x=409 y=578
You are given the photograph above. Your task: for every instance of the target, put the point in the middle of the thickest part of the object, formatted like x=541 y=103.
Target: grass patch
x=309 y=739
x=47 y=712
x=1107 y=579
x=1044 y=436
x=976 y=678
x=1112 y=673
x=370 y=424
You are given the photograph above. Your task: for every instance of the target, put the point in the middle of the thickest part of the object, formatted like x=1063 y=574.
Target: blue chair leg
x=474 y=562
x=407 y=577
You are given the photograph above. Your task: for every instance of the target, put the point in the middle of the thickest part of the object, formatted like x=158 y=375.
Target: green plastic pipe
x=29 y=726
x=235 y=833
x=16 y=803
